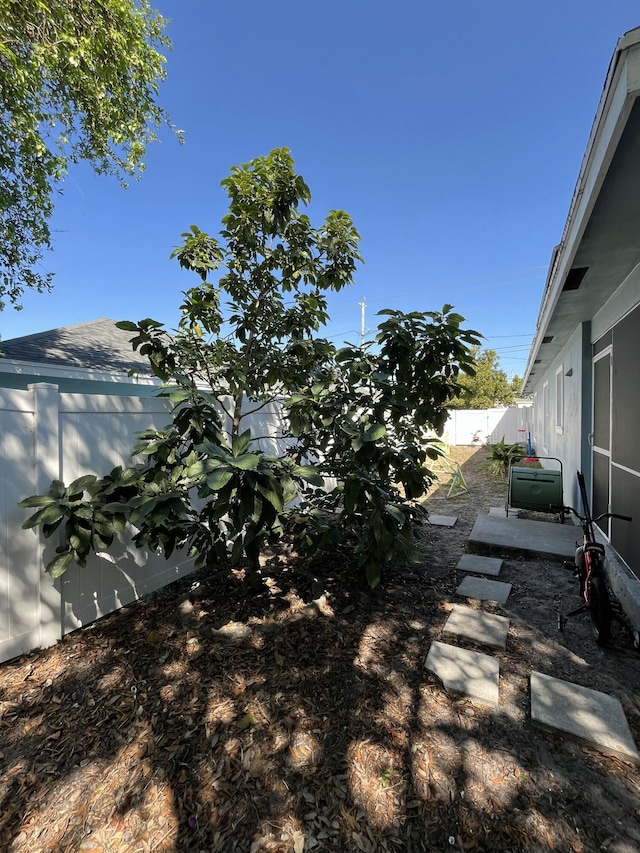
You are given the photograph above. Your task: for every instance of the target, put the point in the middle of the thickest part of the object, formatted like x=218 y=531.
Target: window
x=560 y=400
x=545 y=416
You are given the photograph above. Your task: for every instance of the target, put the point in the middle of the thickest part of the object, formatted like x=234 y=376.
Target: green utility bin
x=536 y=489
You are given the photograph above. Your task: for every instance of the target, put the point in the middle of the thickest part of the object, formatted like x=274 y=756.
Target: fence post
x=46 y=400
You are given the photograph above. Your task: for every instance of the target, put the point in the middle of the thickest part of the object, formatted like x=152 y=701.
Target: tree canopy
x=353 y=459
x=488 y=386
x=78 y=82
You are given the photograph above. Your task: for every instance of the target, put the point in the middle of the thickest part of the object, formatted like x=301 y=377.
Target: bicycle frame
x=590 y=556
x=588 y=565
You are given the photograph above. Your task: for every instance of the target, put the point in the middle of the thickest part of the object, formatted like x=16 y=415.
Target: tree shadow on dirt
x=316 y=728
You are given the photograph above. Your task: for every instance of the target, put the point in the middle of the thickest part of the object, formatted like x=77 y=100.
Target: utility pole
x=362 y=305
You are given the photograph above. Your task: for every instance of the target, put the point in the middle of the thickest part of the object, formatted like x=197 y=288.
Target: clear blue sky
x=451 y=132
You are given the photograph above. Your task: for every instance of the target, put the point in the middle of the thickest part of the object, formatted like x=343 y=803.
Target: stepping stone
x=498 y=510
x=484 y=590
x=483 y=628
x=470 y=673
x=480 y=565
x=443 y=520
x=590 y=716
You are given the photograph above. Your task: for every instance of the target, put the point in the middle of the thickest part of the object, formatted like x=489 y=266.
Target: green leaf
x=396 y=513
x=80 y=540
x=49 y=529
x=273 y=494
x=236 y=551
x=81 y=484
x=374 y=573
x=248 y=462
x=37 y=500
x=179 y=395
x=219 y=479
x=308 y=473
x=351 y=494
x=147 y=506
x=202 y=467
x=47 y=515
x=59 y=565
x=374 y=432
x=241 y=443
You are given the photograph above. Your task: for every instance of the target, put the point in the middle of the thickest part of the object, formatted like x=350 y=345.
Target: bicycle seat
x=595 y=546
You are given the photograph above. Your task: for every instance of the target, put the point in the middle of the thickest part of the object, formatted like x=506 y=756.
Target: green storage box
x=536 y=489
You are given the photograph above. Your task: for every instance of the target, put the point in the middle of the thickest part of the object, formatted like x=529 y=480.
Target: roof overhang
x=600 y=245
x=51 y=372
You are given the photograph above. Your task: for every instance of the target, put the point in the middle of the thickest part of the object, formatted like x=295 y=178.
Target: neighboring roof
x=96 y=345
x=599 y=246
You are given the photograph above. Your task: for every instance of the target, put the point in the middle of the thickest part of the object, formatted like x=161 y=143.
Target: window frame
x=559 y=402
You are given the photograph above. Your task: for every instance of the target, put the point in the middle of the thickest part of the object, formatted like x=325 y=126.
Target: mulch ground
x=207 y=719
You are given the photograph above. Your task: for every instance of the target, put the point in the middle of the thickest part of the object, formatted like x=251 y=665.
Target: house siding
x=562 y=442
x=614 y=478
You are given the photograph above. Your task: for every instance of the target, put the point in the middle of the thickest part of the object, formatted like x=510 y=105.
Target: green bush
x=504 y=455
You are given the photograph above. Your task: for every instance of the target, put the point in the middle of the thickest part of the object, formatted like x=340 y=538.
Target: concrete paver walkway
x=491 y=533
x=483 y=589
x=443 y=520
x=462 y=671
x=588 y=715
x=479 y=565
x=483 y=628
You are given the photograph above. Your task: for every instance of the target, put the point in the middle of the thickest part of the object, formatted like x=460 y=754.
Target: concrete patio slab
x=495 y=534
x=486 y=629
x=484 y=590
x=461 y=671
x=442 y=520
x=476 y=564
x=590 y=716
x=498 y=510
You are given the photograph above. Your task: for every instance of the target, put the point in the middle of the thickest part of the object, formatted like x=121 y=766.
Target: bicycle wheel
x=600 y=611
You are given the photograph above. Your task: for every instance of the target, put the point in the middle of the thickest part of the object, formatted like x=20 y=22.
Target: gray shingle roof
x=98 y=344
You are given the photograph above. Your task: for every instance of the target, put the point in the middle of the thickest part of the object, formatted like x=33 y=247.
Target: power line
x=495 y=337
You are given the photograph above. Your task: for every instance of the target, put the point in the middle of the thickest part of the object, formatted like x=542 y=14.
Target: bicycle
x=588 y=566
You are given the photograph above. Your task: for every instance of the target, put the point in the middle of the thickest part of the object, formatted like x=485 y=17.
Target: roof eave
x=619 y=94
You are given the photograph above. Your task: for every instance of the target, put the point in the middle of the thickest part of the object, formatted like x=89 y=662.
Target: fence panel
x=19 y=551
x=96 y=435
x=474 y=426
x=44 y=436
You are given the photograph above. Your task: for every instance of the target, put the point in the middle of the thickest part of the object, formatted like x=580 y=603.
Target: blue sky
x=452 y=133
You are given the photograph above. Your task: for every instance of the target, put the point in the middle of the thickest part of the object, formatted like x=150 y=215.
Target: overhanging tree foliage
x=78 y=81
x=357 y=416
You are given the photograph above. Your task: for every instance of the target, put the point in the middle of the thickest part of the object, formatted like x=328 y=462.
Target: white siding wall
x=565 y=442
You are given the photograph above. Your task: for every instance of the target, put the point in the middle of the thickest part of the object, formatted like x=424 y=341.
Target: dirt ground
x=201 y=719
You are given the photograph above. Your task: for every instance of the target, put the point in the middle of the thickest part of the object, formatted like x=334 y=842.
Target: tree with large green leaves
x=354 y=453
x=78 y=82
x=488 y=386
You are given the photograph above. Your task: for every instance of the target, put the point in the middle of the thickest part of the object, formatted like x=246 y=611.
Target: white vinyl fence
x=45 y=436
x=487 y=426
